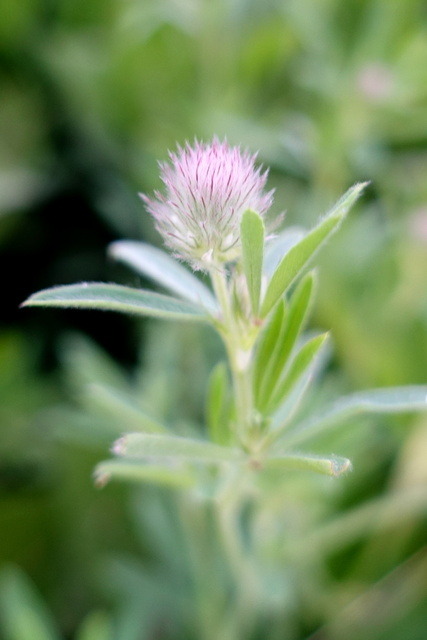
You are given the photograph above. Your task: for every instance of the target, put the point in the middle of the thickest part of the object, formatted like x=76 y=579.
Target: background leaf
x=24 y=615
x=388 y=400
x=122 y=407
x=96 y=626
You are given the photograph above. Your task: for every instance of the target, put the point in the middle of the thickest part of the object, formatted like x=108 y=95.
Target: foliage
x=332 y=94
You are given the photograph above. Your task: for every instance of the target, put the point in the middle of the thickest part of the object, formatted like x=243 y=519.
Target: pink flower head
x=208 y=188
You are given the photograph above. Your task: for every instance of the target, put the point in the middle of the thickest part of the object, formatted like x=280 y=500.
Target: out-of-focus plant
x=213 y=215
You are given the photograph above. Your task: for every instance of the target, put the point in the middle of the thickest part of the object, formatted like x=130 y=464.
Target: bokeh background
x=93 y=93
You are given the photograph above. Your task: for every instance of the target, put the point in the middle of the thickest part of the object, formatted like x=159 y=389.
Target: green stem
x=242 y=611
x=239 y=619
x=239 y=357
x=220 y=285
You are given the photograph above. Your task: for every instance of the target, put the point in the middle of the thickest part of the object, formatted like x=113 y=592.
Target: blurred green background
x=93 y=93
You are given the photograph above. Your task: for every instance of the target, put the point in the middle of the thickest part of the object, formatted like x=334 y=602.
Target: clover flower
x=207 y=189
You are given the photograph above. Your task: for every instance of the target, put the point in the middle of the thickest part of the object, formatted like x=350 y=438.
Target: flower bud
x=208 y=187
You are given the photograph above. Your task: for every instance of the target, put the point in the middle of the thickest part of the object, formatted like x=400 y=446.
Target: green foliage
x=262 y=384
x=96 y=626
x=332 y=94
x=23 y=612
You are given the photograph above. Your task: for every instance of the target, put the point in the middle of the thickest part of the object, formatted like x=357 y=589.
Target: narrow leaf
x=252 y=238
x=139 y=471
x=292 y=326
x=300 y=254
x=279 y=246
x=24 y=614
x=97 y=625
x=121 y=408
x=138 y=445
x=302 y=360
x=285 y=413
x=387 y=400
x=267 y=343
x=115 y=297
x=329 y=465
x=217 y=405
x=157 y=265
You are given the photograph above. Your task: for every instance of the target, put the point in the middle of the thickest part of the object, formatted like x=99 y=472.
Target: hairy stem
x=239 y=356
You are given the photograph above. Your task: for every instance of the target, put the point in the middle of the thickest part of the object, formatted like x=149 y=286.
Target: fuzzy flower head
x=208 y=187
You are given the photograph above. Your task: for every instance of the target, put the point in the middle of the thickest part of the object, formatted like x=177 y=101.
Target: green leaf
x=157 y=265
x=267 y=343
x=218 y=405
x=387 y=400
x=329 y=465
x=122 y=408
x=302 y=360
x=300 y=254
x=284 y=343
x=115 y=297
x=97 y=625
x=24 y=616
x=279 y=246
x=141 y=471
x=282 y=418
x=144 y=446
x=252 y=238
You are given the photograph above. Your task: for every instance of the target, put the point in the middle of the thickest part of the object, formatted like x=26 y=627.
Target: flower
x=207 y=189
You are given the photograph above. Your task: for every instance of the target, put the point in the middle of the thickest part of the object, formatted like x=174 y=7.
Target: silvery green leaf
x=282 y=418
x=301 y=253
x=122 y=408
x=278 y=247
x=217 y=404
x=141 y=471
x=327 y=465
x=269 y=339
x=387 y=400
x=115 y=297
x=147 y=446
x=252 y=239
x=160 y=267
x=303 y=360
x=293 y=323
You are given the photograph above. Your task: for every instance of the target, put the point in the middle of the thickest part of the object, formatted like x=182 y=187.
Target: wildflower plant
x=211 y=215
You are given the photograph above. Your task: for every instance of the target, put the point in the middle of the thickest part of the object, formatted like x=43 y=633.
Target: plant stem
x=239 y=356
x=236 y=333
x=243 y=609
